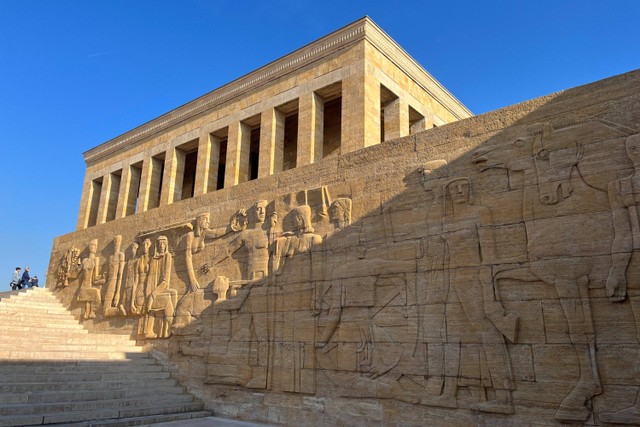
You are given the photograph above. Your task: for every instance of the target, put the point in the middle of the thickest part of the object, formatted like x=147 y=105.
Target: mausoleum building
x=351 y=89
x=334 y=239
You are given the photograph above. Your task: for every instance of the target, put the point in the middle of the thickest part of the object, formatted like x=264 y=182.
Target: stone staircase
x=54 y=371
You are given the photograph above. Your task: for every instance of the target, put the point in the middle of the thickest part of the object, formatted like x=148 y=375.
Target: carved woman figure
x=115 y=269
x=140 y=285
x=130 y=281
x=90 y=276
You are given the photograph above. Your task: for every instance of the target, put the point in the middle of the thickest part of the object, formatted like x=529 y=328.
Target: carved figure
x=161 y=298
x=232 y=342
x=624 y=198
x=301 y=239
x=130 y=281
x=467 y=232
x=115 y=269
x=240 y=220
x=195 y=242
x=90 y=276
x=193 y=302
x=332 y=295
x=69 y=268
x=256 y=243
x=287 y=370
x=143 y=264
x=558 y=207
x=443 y=354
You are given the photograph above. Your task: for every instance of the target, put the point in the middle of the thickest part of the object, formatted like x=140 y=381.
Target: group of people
x=22 y=280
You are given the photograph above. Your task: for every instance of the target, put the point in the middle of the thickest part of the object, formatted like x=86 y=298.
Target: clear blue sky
x=74 y=74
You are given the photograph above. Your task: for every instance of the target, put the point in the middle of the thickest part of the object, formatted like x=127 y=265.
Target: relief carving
x=115 y=270
x=69 y=268
x=556 y=205
x=467 y=232
x=624 y=198
x=161 y=299
x=90 y=277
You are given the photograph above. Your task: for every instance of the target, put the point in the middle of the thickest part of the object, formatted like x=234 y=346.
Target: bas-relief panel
x=474 y=293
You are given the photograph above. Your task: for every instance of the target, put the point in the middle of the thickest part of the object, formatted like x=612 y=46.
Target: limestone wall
x=483 y=272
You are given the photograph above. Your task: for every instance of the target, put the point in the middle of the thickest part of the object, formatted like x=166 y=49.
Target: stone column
x=206 y=167
x=237 y=163
x=85 y=204
x=129 y=191
x=310 y=129
x=396 y=119
x=105 y=194
x=145 y=186
x=122 y=206
x=360 y=112
x=173 y=176
x=271 y=142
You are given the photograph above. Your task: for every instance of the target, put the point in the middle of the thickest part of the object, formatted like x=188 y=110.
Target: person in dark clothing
x=26 y=279
x=34 y=282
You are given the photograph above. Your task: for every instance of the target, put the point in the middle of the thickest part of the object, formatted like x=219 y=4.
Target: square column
x=173 y=175
x=85 y=204
x=310 y=129
x=207 y=164
x=360 y=112
x=237 y=163
x=105 y=196
x=123 y=196
x=145 y=186
x=396 y=119
x=129 y=188
x=271 y=142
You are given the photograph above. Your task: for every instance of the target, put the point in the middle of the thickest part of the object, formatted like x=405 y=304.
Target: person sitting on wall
x=34 y=282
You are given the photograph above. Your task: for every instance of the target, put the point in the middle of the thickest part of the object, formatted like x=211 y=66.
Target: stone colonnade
x=338 y=118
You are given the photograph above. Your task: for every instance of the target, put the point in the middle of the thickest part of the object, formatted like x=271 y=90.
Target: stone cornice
x=315 y=51
x=396 y=54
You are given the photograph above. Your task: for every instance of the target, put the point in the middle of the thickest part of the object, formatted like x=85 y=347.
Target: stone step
x=38 y=328
x=51 y=309
x=28 y=377
x=145 y=401
x=54 y=371
x=18 y=313
x=13 y=388
x=67 y=355
x=112 y=413
x=36 y=395
x=80 y=347
x=139 y=365
x=73 y=338
x=143 y=421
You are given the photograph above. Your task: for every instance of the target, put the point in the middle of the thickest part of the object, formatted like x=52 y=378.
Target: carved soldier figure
x=624 y=198
x=90 y=276
x=339 y=247
x=471 y=247
x=161 y=299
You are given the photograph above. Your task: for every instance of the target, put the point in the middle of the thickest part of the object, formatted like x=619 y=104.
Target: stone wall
x=483 y=272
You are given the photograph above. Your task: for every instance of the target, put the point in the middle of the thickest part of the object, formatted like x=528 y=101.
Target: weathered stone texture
x=483 y=272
